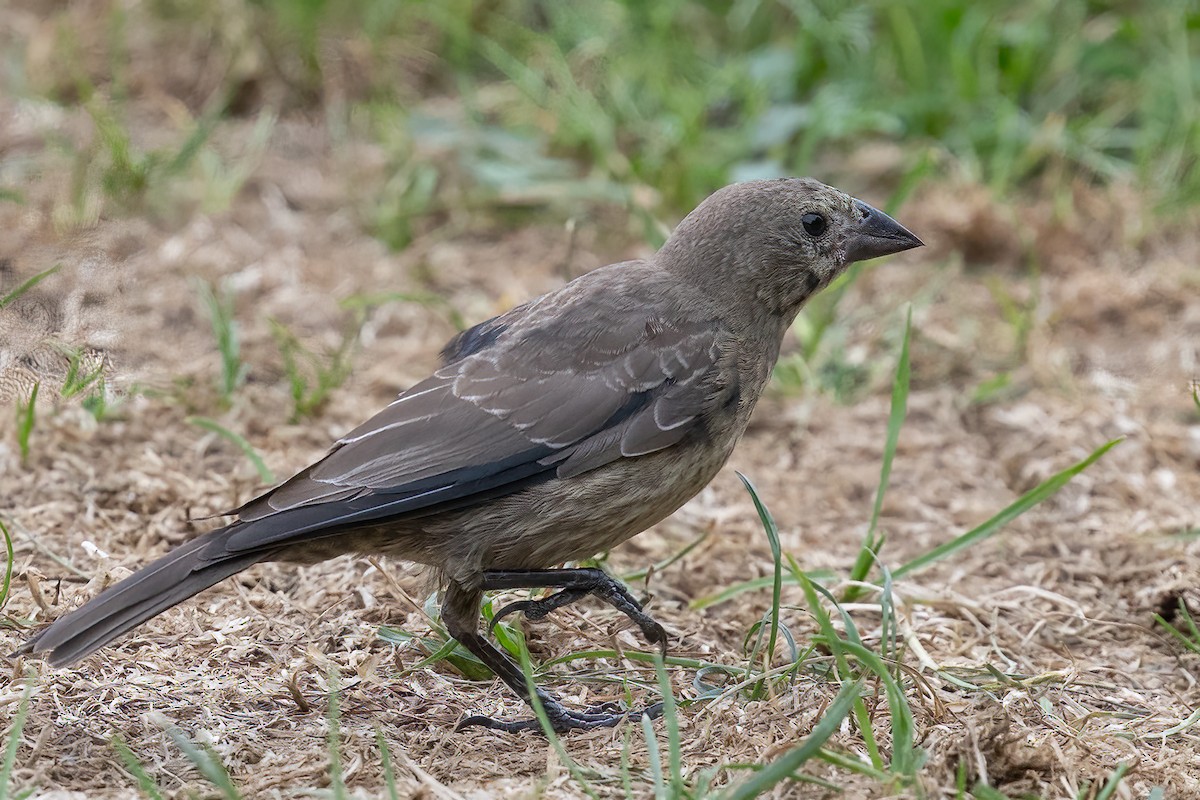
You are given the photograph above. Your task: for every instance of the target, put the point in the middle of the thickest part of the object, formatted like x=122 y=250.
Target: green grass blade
x=772 y=531
x=1186 y=615
x=337 y=782
x=626 y=761
x=852 y=634
x=442 y=649
x=854 y=765
x=862 y=718
x=828 y=633
x=146 y=784
x=201 y=132
x=14 y=741
x=899 y=410
x=1114 y=780
x=659 y=566
x=26 y=419
x=313 y=377
x=654 y=760
x=539 y=710
x=906 y=758
x=27 y=285
x=1027 y=501
x=219 y=306
x=984 y=792
x=207 y=763
x=753 y=585
x=78 y=378
x=783 y=767
x=871 y=545
x=1190 y=642
x=264 y=472
x=507 y=636
x=671 y=723
x=389 y=774
x=6 y=587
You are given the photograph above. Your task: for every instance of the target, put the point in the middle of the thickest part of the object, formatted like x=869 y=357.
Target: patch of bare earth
x=1060 y=601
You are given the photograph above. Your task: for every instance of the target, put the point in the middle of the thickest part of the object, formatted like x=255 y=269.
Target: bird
x=548 y=434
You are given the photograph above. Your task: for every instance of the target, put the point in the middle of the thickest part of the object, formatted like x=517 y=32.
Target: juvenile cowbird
x=551 y=432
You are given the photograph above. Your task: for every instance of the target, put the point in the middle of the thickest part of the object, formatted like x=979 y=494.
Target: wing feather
x=499 y=414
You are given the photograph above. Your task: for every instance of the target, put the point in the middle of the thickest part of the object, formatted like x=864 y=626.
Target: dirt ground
x=1061 y=601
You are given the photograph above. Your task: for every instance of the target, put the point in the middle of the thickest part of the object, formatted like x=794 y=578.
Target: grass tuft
x=312 y=377
x=129 y=175
x=26 y=420
x=219 y=307
x=81 y=375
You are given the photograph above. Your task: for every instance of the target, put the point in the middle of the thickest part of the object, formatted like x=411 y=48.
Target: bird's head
x=775 y=243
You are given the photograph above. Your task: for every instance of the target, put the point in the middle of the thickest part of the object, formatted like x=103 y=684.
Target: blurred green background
x=653 y=104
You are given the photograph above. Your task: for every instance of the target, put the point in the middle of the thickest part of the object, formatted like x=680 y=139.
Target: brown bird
x=551 y=432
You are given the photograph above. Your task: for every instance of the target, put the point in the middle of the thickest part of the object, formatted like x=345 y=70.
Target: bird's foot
x=619 y=598
x=562 y=719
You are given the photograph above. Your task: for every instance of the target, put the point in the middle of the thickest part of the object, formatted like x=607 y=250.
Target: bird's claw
x=654 y=633
x=624 y=602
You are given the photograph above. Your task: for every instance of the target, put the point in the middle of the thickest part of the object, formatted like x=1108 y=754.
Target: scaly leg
x=460 y=613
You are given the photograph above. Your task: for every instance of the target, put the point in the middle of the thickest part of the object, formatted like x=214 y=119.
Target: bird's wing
x=519 y=402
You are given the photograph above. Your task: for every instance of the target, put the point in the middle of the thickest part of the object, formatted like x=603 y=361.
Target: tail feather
x=185 y=571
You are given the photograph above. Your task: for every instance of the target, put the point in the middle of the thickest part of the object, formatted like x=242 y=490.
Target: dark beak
x=876 y=235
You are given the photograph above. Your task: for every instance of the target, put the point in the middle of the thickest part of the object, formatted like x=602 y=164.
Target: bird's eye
x=814 y=224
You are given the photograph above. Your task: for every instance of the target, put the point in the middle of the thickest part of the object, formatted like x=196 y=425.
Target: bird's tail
x=187 y=570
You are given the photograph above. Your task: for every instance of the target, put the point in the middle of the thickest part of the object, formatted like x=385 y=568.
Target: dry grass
x=1050 y=622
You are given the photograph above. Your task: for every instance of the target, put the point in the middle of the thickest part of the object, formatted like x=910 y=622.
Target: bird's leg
x=575 y=584
x=460 y=613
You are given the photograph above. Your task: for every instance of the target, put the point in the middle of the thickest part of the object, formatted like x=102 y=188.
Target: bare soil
x=1061 y=601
